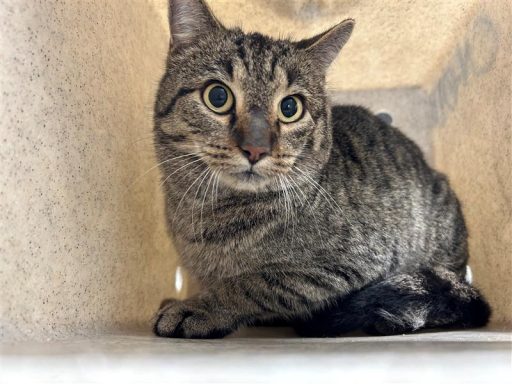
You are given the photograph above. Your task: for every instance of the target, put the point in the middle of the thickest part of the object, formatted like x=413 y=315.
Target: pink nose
x=254 y=154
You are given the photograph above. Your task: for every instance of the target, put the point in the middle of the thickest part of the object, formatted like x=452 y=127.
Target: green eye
x=218 y=98
x=290 y=109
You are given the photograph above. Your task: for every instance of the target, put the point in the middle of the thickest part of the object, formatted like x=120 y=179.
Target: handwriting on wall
x=475 y=56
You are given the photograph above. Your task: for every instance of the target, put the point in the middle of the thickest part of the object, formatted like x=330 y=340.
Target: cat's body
x=389 y=222
x=351 y=230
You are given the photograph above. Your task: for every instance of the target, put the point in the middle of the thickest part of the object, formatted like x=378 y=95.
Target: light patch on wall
x=178 y=280
x=469 y=275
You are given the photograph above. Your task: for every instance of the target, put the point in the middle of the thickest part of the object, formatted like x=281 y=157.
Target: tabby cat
x=289 y=210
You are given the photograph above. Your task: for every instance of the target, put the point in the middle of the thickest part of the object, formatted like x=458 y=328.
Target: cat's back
x=385 y=172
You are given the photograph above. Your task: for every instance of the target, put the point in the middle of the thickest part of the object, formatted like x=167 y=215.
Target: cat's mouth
x=249 y=175
x=247 y=180
x=259 y=177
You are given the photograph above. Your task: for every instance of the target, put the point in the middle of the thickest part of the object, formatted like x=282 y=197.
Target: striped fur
x=343 y=205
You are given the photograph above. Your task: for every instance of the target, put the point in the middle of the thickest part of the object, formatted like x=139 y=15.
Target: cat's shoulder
x=359 y=125
x=359 y=122
x=354 y=117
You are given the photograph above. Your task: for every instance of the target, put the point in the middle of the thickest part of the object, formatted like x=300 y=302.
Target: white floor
x=443 y=357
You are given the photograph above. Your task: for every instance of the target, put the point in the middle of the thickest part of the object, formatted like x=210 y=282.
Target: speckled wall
x=83 y=245
x=473 y=144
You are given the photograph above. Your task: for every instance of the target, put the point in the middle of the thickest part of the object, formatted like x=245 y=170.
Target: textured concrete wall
x=473 y=143
x=83 y=246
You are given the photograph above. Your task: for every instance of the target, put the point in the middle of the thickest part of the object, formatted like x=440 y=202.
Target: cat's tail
x=429 y=298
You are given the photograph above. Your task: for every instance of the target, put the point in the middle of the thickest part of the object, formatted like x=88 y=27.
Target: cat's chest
x=225 y=238
x=232 y=223
x=219 y=259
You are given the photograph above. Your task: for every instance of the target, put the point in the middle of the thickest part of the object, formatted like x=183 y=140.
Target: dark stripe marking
x=273 y=282
x=181 y=92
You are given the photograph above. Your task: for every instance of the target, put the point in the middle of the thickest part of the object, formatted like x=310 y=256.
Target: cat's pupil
x=288 y=107
x=218 y=96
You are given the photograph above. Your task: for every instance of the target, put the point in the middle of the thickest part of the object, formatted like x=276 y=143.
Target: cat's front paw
x=184 y=319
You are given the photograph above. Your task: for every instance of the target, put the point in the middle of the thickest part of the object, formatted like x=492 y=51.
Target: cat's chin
x=247 y=181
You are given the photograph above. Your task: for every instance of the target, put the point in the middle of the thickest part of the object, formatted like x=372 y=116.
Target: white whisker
x=202 y=203
x=313 y=211
x=188 y=189
x=215 y=181
x=195 y=199
x=157 y=165
x=172 y=173
x=296 y=188
x=285 y=202
x=320 y=189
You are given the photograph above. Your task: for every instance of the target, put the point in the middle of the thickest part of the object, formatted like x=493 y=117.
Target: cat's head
x=252 y=108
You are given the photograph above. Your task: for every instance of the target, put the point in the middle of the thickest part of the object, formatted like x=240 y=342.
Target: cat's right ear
x=324 y=47
x=189 y=20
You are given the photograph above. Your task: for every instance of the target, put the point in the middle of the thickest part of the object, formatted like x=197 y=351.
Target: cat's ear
x=325 y=46
x=190 y=19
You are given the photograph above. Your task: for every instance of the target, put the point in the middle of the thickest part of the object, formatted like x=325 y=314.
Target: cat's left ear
x=324 y=47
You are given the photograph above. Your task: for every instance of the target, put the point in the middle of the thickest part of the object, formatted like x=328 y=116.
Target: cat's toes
x=177 y=319
x=169 y=318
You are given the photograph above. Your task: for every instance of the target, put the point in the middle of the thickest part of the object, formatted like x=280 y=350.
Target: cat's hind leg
x=400 y=304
